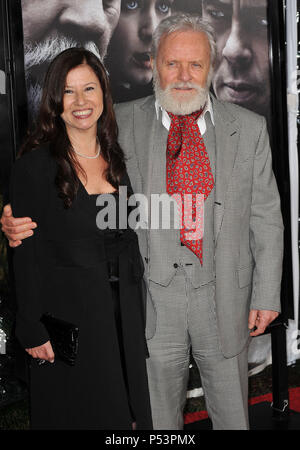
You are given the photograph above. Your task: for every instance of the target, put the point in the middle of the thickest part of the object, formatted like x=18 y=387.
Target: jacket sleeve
x=266 y=230
x=26 y=197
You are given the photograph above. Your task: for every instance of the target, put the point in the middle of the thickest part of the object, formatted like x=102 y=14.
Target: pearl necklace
x=89 y=157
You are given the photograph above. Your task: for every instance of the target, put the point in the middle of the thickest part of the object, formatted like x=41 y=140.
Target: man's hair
x=184 y=22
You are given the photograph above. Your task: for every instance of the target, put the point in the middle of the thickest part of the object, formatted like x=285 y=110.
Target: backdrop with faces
x=120 y=33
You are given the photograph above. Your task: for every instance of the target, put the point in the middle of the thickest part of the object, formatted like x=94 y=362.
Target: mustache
x=187 y=85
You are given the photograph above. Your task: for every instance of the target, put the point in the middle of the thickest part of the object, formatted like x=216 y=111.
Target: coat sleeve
x=26 y=197
x=266 y=229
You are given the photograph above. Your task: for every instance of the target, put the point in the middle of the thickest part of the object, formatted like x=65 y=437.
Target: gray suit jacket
x=248 y=227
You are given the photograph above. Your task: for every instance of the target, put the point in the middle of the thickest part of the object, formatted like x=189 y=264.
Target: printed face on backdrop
x=52 y=26
x=132 y=38
x=181 y=72
x=241 y=73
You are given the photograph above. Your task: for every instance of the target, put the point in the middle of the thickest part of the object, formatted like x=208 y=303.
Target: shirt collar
x=167 y=121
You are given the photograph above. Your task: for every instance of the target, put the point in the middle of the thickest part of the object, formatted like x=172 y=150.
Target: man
x=208 y=293
x=53 y=26
x=242 y=73
x=242 y=76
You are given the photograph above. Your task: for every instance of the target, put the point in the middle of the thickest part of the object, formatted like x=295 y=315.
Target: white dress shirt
x=166 y=120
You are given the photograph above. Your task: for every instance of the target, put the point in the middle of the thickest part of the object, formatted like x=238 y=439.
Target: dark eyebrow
x=91 y=82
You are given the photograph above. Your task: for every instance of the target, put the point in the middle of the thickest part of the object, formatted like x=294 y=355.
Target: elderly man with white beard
x=53 y=26
x=208 y=295
x=214 y=294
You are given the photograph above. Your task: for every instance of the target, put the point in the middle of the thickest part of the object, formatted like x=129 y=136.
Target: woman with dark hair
x=87 y=277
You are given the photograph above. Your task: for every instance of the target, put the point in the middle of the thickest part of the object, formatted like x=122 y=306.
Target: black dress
x=94 y=279
x=115 y=241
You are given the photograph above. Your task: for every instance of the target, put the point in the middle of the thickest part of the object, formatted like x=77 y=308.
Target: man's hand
x=16 y=229
x=44 y=352
x=260 y=320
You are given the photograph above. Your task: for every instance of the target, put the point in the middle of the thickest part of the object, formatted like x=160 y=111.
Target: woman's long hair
x=50 y=127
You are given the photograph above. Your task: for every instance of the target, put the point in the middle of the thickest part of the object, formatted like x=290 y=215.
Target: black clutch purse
x=64 y=338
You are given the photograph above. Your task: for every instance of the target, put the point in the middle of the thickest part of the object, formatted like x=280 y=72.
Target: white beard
x=182 y=106
x=37 y=58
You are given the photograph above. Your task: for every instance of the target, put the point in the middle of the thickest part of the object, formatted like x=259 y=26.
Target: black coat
x=62 y=269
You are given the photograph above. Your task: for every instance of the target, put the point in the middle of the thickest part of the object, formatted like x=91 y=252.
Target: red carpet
x=294 y=394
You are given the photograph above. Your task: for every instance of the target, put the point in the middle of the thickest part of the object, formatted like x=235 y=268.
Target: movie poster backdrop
x=120 y=33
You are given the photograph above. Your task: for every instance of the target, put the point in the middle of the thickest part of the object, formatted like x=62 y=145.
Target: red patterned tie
x=188 y=172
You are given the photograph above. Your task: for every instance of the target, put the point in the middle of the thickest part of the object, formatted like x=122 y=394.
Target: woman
x=129 y=50
x=88 y=277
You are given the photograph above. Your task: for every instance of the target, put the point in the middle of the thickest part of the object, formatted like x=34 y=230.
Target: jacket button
x=175 y=265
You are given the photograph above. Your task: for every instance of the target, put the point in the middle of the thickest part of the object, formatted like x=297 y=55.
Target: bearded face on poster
x=52 y=26
x=120 y=32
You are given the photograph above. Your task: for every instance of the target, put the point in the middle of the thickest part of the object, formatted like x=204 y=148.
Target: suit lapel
x=157 y=178
x=227 y=139
x=151 y=138
x=144 y=132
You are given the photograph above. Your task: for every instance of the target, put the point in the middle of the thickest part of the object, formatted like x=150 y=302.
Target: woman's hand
x=44 y=352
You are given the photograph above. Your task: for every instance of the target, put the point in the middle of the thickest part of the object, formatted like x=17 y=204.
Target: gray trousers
x=186 y=318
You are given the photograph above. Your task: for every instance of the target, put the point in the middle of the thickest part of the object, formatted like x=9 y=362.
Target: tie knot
x=186 y=117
